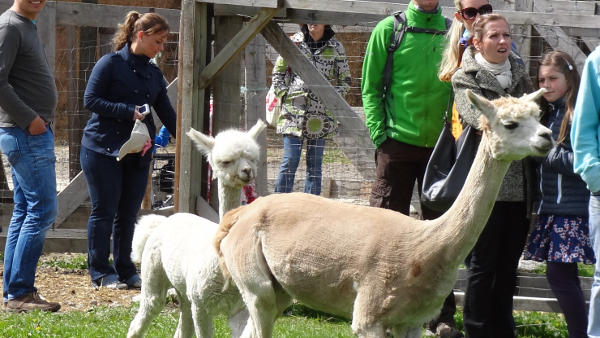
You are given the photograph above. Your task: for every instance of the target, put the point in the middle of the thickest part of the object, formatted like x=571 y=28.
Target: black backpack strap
x=395 y=41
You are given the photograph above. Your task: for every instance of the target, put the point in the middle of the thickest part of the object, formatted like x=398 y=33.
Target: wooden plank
x=95 y=15
x=523 y=303
x=256 y=89
x=193 y=44
x=522 y=33
x=582 y=32
x=235 y=45
x=344 y=6
x=355 y=141
x=71 y=197
x=82 y=14
x=591 y=43
x=350 y=16
x=46 y=24
x=556 y=37
x=247 y=3
x=565 y=7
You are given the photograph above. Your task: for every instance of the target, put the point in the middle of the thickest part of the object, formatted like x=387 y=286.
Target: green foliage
x=333 y=154
x=585 y=270
x=540 y=324
x=70 y=261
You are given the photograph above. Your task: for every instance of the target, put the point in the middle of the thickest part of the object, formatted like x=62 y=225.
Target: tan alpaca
x=376 y=266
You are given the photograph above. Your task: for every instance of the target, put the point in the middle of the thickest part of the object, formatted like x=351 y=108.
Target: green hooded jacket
x=413 y=110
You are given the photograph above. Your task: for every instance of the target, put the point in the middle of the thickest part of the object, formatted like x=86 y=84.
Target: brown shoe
x=29 y=302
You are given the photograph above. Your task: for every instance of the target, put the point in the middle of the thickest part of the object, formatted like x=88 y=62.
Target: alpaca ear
x=484 y=105
x=257 y=129
x=535 y=95
x=203 y=142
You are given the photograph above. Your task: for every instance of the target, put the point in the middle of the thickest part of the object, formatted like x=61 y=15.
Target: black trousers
x=564 y=282
x=399 y=165
x=492 y=273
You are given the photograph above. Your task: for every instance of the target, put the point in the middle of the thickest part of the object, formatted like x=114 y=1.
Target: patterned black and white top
x=303 y=114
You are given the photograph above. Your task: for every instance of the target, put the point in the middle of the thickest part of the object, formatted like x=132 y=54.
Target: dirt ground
x=72 y=289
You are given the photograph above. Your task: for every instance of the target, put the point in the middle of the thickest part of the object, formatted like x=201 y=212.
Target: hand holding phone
x=144 y=109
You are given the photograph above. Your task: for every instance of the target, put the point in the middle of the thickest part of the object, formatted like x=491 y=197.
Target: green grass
x=583 y=269
x=68 y=261
x=299 y=322
x=114 y=322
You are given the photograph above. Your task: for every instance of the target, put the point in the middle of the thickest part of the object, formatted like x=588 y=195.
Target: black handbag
x=448 y=167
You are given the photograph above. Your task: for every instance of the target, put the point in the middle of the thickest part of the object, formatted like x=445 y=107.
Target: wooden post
x=227 y=105
x=193 y=44
x=256 y=89
x=88 y=41
x=46 y=25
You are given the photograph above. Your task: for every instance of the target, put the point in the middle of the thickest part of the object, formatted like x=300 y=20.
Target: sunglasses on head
x=471 y=12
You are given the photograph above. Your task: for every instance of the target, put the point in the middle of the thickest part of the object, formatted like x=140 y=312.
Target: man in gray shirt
x=28 y=100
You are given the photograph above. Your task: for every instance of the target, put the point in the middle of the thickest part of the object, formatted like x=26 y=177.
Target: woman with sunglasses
x=459 y=34
x=489 y=68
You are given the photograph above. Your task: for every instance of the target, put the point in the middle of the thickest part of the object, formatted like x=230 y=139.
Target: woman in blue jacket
x=119 y=85
x=561 y=235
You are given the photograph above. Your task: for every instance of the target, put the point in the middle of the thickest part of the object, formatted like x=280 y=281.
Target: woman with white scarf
x=489 y=68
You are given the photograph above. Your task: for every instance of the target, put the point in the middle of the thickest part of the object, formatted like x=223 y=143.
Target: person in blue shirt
x=585 y=135
x=120 y=83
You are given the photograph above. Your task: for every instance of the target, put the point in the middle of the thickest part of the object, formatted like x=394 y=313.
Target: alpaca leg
x=237 y=322
x=263 y=312
x=404 y=332
x=153 y=293
x=203 y=322
x=366 y=314
x=373 y=331
x=185 y=325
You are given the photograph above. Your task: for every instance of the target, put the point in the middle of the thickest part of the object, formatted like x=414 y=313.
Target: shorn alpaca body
x=176 y=251
x=379 y=267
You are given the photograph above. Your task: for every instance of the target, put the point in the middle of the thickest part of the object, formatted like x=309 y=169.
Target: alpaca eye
x=226 y=163
x=511 y=125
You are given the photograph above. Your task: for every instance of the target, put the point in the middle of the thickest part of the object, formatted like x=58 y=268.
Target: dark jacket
x=562 y=192
x=119 y=82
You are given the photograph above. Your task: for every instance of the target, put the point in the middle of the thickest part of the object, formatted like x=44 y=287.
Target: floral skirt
x=560 y=239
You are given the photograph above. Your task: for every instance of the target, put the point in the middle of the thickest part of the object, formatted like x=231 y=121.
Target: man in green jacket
x=405 y=122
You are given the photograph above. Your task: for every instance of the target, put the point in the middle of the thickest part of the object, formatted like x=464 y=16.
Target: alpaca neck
x=229 y=198
x=457 y=231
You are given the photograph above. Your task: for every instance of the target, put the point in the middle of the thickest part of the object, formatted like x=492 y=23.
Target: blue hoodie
x=586 y=124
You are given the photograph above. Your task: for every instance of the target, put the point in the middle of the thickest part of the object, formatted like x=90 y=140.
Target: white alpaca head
x=233 y=154
x=513 y=126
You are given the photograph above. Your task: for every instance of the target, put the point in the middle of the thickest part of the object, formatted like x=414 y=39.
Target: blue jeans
x=116 y=192
x=32 y=163
x=593 y=329
x=292 y=149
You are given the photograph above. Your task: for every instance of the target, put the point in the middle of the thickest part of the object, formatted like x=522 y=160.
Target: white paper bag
x=135 y=144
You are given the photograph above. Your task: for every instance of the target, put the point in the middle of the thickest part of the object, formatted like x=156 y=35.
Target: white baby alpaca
x=177 y=252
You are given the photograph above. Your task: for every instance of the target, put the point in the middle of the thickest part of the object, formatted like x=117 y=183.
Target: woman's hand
x=137 y=115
